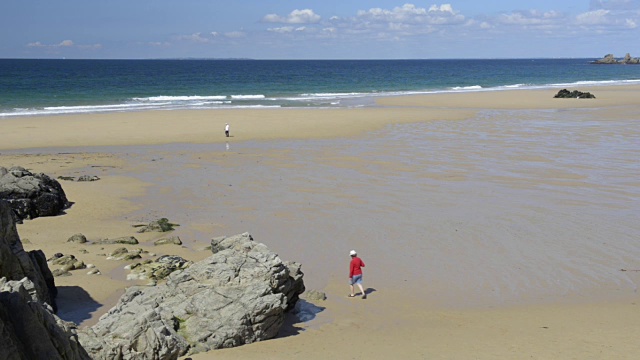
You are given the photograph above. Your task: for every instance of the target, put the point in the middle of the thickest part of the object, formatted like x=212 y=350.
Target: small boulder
x=78 y=238
x=173 y=240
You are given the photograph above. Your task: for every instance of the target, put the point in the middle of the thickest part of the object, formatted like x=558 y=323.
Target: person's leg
x=361 y=289
x=352 y=294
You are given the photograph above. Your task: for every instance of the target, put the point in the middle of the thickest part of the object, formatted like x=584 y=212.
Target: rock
x=29 y=329
x=16 y=264
x=160 y=225
x=31 y=195
x=236 y=296
x=159 y=269
x=130 y=240
x=93 y=272
x=610 y=59
x=88 y=178
x=314 y=295
x=80 y=178
x=575 y=94
x=77 y=238
x=170 y=240
x=61 y=272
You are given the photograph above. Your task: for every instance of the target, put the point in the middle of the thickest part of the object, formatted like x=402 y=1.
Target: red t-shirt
x=355 y=266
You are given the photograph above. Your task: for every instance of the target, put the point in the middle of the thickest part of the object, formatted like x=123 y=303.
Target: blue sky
x=327 y=29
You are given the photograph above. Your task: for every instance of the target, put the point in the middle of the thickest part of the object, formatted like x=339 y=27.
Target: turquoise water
x=46 y=87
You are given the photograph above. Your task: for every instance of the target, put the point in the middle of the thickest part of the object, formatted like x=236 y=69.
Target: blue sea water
x=48 y=87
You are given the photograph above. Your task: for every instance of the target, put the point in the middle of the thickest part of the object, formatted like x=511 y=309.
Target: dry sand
x=409 y=319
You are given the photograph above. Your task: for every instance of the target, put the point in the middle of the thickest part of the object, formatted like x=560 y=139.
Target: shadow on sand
x=75 y=304
x=303 y=312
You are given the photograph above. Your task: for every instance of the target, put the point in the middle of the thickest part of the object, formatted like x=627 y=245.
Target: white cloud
x=306 y=16
x=596 y=17
x=411 y=14
x=281 y=30
x=195 y=37
x=530 y=18
x=63 y=44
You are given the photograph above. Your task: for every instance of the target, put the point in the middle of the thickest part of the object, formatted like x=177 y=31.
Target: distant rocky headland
x=610 y=59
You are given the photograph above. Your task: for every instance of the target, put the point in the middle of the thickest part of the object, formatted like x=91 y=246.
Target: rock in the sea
x=16 y=264
x=575 y=94
x=236 y=296
x=31 y=195
x=610 y=59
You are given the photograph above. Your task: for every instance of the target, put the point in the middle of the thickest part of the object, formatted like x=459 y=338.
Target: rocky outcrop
x=575 y=94
x=16 y=264
x=31 y=195
x=610 y=59
x=236 y=296
x=29 y=329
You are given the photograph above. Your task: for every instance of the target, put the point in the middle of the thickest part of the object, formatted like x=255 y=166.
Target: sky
x=319 y=29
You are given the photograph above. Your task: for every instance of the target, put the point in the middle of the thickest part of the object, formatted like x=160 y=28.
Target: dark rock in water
x=575 y=94
x=31 y=195
x=237 y=296
x=610 y=59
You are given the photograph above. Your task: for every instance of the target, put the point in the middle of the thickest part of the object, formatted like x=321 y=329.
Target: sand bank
x=431 y=192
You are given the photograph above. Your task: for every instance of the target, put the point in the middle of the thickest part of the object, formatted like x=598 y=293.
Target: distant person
x=226 y=130
x=355 y=274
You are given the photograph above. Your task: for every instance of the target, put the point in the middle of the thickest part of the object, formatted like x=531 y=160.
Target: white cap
x=352 y=252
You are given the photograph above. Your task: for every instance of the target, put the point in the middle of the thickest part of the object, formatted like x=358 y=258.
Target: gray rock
x=16 y=264
x=160 y=225
x=314 y=295
x=31 y=195
x=78 y=238
x=130 y=240
x=236 y=296
x=88 y=178
x=29 y=329
x=159 y=269
x=173 y=240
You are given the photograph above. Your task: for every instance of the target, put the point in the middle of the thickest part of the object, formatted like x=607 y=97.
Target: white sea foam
x=181 y=98
x=474 y=87
x=247 y=97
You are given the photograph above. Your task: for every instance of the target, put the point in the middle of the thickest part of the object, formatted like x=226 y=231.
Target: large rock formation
x=610 y=59
x=28 y=327
x=31 y=195
x=16 y=264
x=236 y=296
x=29 y=330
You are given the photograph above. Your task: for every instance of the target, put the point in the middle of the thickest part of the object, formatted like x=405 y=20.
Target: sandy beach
x=494 y=225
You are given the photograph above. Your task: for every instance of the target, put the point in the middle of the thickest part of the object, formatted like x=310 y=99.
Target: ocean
x=52 y=87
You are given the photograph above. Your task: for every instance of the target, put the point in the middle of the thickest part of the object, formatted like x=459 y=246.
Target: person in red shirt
x=355 y=274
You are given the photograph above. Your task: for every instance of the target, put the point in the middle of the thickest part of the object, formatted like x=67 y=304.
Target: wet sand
x=494 y=225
